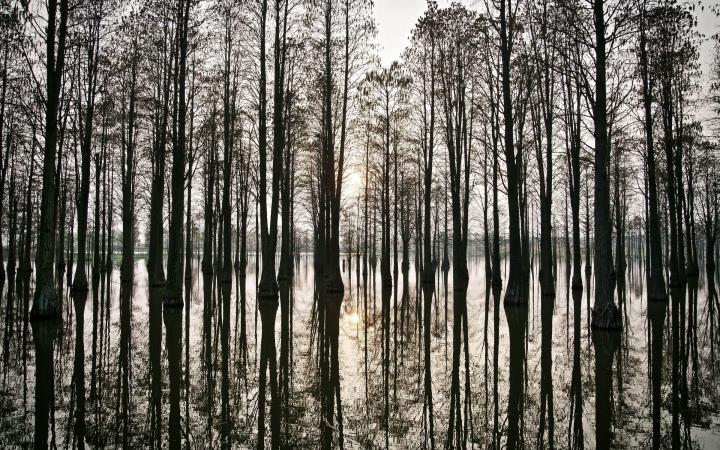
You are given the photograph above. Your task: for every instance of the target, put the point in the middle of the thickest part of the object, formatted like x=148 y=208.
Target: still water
x=120 y=372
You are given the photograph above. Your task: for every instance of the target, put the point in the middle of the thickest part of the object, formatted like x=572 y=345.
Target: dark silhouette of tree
x=173 y=288
x=92 y=47
x=268 y=287
x=425 y=52
x=45 y=299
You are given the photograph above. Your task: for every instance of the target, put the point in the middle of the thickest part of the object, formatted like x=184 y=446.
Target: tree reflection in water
x=571 y=387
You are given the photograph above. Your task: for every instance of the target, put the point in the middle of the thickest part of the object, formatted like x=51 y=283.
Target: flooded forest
x=236 y=224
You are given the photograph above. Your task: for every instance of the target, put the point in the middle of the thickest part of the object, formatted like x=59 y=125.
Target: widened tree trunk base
x=79 y=285
x=428 y=277
x=156 y=272
x=206 y=267
x=127 y=275
x=334 y=285
x=515 y=295
x=656 y=291
x=577 y=283
x=606 y=317
x=692 y=271
x=547 y=282
x=157 y=281
x=387 y=282
x=172 y=301
x=44 y=304
x=268 y=294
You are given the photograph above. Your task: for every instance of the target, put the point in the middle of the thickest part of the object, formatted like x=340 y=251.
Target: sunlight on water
x=354 y=318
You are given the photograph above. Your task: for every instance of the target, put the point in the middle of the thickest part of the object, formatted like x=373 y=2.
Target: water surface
x=118 y=371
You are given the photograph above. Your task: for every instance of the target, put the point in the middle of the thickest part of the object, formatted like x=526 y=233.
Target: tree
x=164 y=62
x=458 y=48
x=656 y=288
x=92 y=46
x=128 y=155
x=45 y=299
x=173 y=288
x=544 y=44
x=424 y=53
x=268 y=287
x=507 y=30
x=605 y=313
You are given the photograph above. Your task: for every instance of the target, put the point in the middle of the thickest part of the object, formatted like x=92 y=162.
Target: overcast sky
x=395 y=19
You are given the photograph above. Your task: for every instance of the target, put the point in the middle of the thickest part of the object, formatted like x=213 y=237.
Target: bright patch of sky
x=395 y=20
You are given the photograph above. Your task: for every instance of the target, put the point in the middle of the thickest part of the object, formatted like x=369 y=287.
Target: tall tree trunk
x=574 y=146
x=605 y=313
x=80 y=279
x=97 y=227
x=513 y=291
x=546 y=84
x=45 y=299
x=156 y=273
x=268 y=287
x=173 y=288
x=189 y=247
x=209 y=178
x=228 y=118
x=3 y=159
x=656 y=286
x=128 y=178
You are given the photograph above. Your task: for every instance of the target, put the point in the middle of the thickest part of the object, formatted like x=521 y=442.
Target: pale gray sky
x=395 y=19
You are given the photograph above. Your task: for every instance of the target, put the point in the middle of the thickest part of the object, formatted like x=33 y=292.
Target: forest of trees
x=192 y=136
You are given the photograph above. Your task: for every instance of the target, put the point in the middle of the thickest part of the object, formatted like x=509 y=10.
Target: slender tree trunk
x=513 y=291
x=128 y=179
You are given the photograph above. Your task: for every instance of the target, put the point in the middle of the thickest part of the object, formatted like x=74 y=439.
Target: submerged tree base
x=268 y=294
x=173 y=302
x=160 y=282
x=335 y=285
x=515 y=296
x=692 y=270
x=657 y=294
x=80 y=286
x=606 y=317
x=427 y=275
x=44 y=304
x=156 y=272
